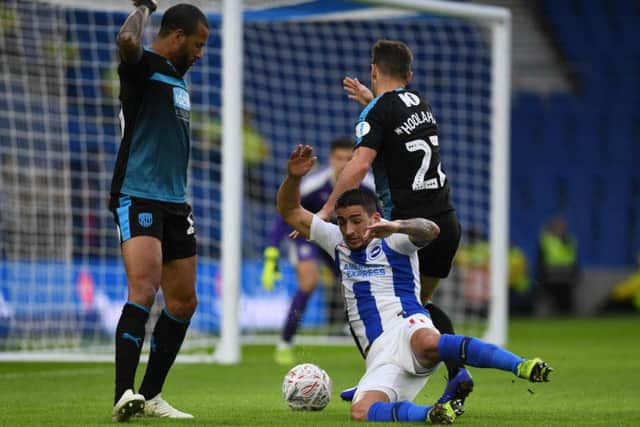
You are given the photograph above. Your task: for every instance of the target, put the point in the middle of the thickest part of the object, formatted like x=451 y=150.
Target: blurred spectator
x=206 y=179
x=472 y=260
x=255 y=152
x=519 y=282
x=558 y=271
x=627 y=292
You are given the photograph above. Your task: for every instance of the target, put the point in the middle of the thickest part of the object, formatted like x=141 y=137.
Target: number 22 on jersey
x=419 y=181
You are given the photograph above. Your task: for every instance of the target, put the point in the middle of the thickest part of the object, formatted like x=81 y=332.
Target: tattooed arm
x=130 y=36
x=420 y=230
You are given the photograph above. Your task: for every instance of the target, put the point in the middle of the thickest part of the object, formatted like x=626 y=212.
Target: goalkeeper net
x=62 y=283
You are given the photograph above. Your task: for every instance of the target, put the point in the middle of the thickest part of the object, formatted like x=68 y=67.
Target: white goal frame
x=498 y=21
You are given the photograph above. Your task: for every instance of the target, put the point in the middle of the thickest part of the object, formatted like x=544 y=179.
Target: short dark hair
x=393 y=58
x=342 y=142
x=185 y=17
x=358 y=197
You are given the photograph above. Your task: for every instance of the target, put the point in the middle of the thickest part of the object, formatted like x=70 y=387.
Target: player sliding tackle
x=380 y=276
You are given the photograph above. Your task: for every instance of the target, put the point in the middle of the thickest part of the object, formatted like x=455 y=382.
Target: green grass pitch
x=596 y=382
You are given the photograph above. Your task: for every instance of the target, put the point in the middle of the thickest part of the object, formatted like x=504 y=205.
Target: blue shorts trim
x=123 y=218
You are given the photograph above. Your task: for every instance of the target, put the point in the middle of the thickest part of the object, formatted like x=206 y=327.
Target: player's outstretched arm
x=129 y=39
x=356 y=90
x=421 y=231
x=300 y=163
x=351 y=177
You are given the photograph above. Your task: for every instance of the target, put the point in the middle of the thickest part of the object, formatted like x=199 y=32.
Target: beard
x=182 y=62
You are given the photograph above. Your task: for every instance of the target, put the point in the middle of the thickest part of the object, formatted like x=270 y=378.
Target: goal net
x=62 y=283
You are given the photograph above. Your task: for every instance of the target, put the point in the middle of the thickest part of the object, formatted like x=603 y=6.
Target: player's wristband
x=150 y=4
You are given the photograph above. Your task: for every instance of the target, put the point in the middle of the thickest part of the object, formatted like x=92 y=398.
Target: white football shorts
x=391 y=365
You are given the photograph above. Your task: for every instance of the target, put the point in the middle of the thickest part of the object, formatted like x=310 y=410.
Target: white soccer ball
x=306 y=387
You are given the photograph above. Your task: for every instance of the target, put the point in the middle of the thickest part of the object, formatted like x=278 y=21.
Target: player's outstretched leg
x=481 y=354
x=534 y=370
x=127 y=406
x=456 y=392
x=405 y=411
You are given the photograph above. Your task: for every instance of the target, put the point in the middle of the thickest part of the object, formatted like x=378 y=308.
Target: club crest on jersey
x=181 y=99
x=145 y=219
x=362 y=129
x=375 y=252
x=182 y=103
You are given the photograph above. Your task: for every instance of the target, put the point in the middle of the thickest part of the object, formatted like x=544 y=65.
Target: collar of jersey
x=150 y=49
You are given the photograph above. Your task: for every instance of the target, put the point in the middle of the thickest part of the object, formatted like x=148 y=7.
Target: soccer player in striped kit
x=378 y=262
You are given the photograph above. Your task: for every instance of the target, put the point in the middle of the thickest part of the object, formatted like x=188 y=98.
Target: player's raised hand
x=301 y=161
x=151 y=4
x=356 y=90
x=381 y=229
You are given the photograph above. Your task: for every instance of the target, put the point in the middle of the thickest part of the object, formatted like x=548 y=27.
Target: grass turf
x=596 y=382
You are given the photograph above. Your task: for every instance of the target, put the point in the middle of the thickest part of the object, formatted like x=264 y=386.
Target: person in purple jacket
x=315 y=189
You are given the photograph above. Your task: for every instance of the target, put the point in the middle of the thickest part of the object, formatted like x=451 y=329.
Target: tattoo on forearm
x=420 y=230
x=131 y=33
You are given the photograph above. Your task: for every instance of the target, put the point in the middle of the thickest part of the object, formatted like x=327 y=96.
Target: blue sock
x=397 y=411
x=478 y=353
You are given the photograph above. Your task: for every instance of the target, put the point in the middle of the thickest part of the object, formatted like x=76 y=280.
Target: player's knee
x=427 y=348
x=360 y=411
x=308 y=285
x=142 y=292
x=191 y=305
x=183 y=307
x=430 y=342
x=308 y=277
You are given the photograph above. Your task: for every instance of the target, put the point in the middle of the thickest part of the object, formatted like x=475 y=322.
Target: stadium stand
x=574 y=152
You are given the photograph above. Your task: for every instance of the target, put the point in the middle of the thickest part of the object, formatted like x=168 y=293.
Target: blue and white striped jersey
x=381 y=281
